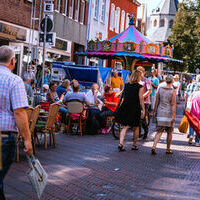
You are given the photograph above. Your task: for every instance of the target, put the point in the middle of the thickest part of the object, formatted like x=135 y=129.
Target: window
x=103 y=10
x=117 y=19
x=71 y=9
x=82 y=12
x=171 y=23
x=155 y=23
x=112 y=17
x=122 y=21
x=77 y=10
x=96 y=9
x=58 y=6
x=162 y=23
x=127 y=20
x=65 y=7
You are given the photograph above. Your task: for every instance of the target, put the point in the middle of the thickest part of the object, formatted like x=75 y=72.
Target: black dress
x=129 y=111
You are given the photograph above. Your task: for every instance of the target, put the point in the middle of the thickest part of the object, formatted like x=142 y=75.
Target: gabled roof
x=166 y=7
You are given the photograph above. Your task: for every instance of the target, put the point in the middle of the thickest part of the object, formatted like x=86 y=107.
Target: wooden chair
x=29 y=112
x=48 y=127
x=33 y=122
x=75 y=113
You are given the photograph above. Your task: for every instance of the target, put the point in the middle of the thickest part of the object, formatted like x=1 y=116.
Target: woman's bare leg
x=169 y=140
x=157 y=139
x=123 y=134
x=136 y=135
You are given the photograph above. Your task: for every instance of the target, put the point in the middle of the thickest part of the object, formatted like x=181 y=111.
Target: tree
x=186 y=36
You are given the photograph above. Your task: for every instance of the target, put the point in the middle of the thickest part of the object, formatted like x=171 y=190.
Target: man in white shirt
x=93 y=96
x=176 y=86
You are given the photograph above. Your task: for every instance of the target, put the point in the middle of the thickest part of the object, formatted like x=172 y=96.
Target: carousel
x=130 y=47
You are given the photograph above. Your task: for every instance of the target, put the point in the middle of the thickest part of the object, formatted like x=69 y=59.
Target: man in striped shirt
x=13 y=117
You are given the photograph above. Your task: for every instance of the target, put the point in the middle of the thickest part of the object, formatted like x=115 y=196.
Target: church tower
x=162 y=20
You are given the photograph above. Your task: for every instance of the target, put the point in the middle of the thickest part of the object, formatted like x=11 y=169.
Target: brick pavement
x=90 y=167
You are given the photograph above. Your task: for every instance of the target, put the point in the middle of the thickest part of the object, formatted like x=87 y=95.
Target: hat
x=169 y=78
x=176 y=76
x=45 y=86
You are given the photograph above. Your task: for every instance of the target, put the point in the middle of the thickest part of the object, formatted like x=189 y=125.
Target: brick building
x=15 y=16
x=119 y=20
x=70 y=26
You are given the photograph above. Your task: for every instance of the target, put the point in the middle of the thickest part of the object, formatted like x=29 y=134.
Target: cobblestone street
x=90 y=167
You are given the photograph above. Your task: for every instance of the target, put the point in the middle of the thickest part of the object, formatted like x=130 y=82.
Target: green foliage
x=186 y=36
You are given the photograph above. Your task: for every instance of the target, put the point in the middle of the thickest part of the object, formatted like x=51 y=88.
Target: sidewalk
x=90 y=167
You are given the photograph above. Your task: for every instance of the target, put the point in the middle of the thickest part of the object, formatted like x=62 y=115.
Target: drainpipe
x=88 y=27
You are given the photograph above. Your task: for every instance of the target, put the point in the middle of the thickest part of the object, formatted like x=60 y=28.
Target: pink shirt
x=195 y=100
x=146 y=83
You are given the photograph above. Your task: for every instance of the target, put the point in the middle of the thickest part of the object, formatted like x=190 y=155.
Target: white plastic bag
x=37 y=175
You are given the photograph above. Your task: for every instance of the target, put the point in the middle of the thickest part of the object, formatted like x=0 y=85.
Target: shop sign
x=60 y=44
x=12 y=32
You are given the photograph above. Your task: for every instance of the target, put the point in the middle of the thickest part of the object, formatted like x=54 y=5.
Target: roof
x=160 y=34
x=131 y=34
x=166 y=7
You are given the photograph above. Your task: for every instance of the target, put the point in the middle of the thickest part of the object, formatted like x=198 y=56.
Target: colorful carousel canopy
x=131 y=34
x=130 y=46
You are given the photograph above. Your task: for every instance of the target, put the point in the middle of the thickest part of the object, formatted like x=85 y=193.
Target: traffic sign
x=50 y=39
x=197 y=70
x=48 y=7
x=49 y=25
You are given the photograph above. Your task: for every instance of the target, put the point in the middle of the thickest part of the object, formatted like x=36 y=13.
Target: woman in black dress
x=129 y=112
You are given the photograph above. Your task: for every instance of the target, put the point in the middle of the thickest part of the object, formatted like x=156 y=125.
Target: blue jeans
x=8 y=156
x=63 y=112
x=191 y=134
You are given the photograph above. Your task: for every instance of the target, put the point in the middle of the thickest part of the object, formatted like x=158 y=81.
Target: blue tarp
x=125 y=74
x=104 y=72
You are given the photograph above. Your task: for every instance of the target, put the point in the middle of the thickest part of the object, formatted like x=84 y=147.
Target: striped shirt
x=192 y=87
x=12 y=97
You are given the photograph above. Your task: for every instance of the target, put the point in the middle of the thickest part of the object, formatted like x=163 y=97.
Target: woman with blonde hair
x=129 y=111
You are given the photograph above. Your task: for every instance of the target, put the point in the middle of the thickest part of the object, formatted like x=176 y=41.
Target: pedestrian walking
x=146 y=83
x=192 y=87
x=13 y=117
x=129 y=111
x=193 y=106
x=165 y=113
x=154 y=82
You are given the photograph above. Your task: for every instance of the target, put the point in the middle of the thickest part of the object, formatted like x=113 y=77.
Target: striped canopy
x=131 y=34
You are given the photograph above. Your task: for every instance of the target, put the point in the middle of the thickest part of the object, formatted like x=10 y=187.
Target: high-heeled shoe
x=135 y=148
x=153 y=152
x=121 y=148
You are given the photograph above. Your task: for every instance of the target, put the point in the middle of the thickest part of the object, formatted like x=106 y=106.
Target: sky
x=151 y=4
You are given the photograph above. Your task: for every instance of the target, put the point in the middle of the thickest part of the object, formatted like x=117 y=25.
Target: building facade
x=70 y=25
x=15 y=17
x=162 y=20
x=119 y=13
x=98 y=24
x=19 y=24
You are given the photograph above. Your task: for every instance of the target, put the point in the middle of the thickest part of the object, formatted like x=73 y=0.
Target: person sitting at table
x=110 y=105
x=93 y=96
x=52 y=97
x=76 y=94
x=116 y=82
x=64 y=88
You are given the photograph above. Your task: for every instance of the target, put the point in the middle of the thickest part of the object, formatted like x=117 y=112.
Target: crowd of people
x=132 y=104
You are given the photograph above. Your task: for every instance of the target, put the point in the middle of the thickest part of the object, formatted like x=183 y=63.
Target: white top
x=177 y=84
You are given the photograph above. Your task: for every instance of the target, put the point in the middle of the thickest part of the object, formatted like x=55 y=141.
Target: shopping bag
x=37 y=175
x=183 y=127
x=194 y=122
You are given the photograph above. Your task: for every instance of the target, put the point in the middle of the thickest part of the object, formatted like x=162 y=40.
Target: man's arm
x=22 y=124
x=147 y=93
